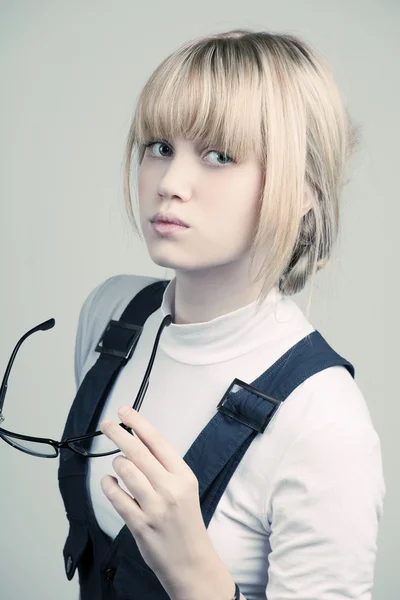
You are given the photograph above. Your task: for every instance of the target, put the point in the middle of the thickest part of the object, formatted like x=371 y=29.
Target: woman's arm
x=324 y=512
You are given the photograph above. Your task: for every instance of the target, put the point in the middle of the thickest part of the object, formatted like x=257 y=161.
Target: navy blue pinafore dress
x=114 y=569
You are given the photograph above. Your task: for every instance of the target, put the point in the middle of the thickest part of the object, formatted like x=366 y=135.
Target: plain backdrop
x=70 y=74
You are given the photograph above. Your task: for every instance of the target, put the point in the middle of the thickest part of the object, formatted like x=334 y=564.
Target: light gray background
x=70 y=73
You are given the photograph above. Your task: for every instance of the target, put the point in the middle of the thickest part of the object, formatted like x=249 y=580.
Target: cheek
x=238 y=205
x=231 y=227
x=143 y=181
x=238 y=214
x=148 y=177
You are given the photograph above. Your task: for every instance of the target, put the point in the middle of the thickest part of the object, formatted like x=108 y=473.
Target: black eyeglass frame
x=66 y=443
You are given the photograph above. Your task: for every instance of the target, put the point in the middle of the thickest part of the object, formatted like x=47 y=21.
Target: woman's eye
x=226 y=159
x=152 y=144
x=163 y=146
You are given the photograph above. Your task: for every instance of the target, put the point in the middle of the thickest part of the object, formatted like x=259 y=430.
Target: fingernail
x=124 y=410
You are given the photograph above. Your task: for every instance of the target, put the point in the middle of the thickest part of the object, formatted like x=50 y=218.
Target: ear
x=309 y=199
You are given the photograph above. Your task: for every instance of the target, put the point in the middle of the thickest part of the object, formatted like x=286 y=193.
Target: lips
x=168 y=219
x=167 y=230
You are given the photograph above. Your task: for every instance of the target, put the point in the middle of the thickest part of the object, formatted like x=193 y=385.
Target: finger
x=135 y=481
x=126 y=506
x=136 y=451
x=158 y=445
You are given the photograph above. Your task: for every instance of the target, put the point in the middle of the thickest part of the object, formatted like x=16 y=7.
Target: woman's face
x=217 y=198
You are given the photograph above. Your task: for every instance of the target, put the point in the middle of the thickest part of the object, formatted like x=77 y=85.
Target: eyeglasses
x=83 y=444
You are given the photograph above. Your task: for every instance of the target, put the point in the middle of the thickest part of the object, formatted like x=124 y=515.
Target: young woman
x=254 y=469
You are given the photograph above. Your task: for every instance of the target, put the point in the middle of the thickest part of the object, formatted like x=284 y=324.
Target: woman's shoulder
x=112 y=295
x=106 y=301
x=336 y=396
x=327 y=409
x=325 y=434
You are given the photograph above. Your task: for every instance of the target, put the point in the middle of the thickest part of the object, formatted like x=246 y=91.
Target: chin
x=167 y=261
x=162 y=259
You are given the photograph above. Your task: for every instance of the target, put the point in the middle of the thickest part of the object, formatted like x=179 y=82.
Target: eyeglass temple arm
x=166 y=322
x=3 y=389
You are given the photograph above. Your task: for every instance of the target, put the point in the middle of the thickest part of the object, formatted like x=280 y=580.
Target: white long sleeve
x=323 y=511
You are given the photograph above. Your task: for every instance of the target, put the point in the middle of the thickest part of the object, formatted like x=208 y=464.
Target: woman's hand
x=163 y=513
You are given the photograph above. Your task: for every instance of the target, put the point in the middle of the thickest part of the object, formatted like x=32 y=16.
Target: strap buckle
x=240 y=417
x=131 y=342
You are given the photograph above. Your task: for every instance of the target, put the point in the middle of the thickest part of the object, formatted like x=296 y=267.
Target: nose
x=177 y=180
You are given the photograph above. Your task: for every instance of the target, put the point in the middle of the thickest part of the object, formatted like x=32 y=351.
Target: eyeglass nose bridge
x=66 y=443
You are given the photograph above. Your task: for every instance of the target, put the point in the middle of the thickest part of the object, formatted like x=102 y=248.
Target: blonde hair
x=270 y=95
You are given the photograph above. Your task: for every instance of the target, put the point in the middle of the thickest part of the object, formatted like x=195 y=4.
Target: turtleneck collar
x=224 y=337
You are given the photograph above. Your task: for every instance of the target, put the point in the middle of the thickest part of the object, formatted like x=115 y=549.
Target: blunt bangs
x=211 y=95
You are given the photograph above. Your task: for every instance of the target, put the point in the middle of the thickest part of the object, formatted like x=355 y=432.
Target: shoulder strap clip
x=274 y=405
x=111 y=332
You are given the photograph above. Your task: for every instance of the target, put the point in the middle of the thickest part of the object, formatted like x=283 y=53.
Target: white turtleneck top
x=299 y=517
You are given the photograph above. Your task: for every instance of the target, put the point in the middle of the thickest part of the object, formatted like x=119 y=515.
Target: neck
x=203 y=295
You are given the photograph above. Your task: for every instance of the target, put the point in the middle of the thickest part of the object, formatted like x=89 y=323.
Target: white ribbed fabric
x=299 y=518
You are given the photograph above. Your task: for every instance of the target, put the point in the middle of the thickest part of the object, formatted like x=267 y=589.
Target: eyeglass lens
x=35 y=448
